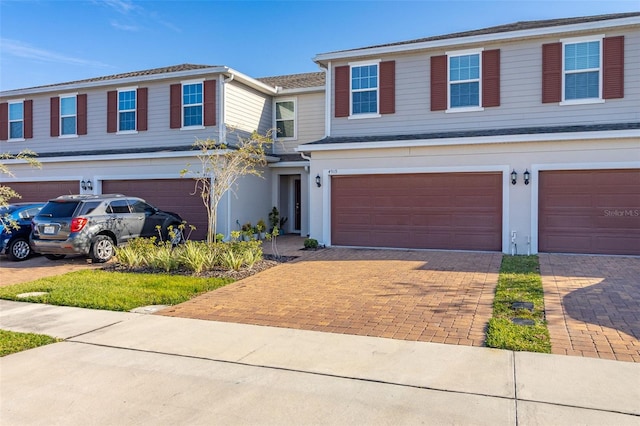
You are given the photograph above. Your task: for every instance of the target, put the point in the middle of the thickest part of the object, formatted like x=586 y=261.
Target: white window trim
x=353 y=116
x=182 y=105
x=70 y=135
x=471 y=108
x=295 y=118
x=585 y=101
x=135 y=110
x=9 y=121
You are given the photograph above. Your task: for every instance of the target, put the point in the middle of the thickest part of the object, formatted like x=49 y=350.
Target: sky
x=55 y=41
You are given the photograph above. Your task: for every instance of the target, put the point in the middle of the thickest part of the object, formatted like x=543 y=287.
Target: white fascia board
x=538 y=137
x=110 y=157
x=484 y=38
x=289 y=164
x=119 y=157
x=252 y=82
x=117 y=81
x=301 y=90
x=139 y=79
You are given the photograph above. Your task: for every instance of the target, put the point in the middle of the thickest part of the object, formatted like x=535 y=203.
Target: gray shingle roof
x=518 y=26
x=478 y=133
x=295 y=81
x=153 y=71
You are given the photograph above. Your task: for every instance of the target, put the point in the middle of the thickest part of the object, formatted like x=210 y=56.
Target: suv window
x=141 y=207
x=59 y=208
x=118 y=206
x=88 y=207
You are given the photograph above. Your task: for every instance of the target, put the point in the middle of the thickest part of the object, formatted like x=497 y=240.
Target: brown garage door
x=42 y=191
x=173 y=195
x=459 y=211
x=589 y=211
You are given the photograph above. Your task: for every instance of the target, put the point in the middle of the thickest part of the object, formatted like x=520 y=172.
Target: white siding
x=521 y=96
x=246 y=109
x=158 y=134
x=310 y=122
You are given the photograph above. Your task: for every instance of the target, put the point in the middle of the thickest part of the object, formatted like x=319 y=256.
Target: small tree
x=220 y=168
x=6 y=193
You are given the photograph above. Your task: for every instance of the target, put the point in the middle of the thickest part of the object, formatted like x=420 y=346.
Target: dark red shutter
x=551 y=72
x=388 y=87
x=342 y=91
x=210 y=87
x=142 y=100
x=175 y=106
x=4 y=121
x=81 y=104
x=613 y=63
x=55 y=116
x=112 y=111
x=491 y=78
x=439 y=83
x=28 y=119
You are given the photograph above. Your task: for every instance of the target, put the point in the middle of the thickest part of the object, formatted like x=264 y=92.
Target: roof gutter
x=57 y=88
x=449 y=42
x=538 y=137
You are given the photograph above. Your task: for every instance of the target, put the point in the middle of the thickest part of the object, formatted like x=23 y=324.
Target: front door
x=297 y=202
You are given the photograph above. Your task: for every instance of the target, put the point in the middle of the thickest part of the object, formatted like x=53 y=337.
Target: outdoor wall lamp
x=514 y=177
x=86 y=185
x=526 y=176
x=318 y=181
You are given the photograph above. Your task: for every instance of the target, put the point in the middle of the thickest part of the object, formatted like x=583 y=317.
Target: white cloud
x=24 y=50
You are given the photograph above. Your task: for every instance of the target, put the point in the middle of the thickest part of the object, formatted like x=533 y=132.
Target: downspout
x=327 y=98
x=223 y=139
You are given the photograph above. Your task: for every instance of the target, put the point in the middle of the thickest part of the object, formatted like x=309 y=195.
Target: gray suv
x=93 y=225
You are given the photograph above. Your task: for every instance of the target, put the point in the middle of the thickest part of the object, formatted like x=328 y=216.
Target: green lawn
x=115 y=291
x=519 y=281
x=12 y=342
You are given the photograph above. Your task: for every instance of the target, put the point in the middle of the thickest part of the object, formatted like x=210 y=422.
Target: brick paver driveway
x=592 y=305
x=443 y=297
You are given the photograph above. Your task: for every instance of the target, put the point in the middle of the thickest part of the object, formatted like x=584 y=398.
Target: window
x=192 y=106
x=582 y=70
x=464 y=81
x=286 y=119
x=364 y=89
x=16 y=120
x=126 y=110
x=68 y=115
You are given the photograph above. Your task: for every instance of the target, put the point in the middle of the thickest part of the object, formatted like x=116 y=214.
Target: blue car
x=15 y=227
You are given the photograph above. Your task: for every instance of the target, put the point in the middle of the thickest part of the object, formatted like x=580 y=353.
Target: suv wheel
x=177 y=237
x=18 y=249
x=102 y=249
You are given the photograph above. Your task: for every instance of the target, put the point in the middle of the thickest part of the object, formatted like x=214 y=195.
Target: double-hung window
x=582 y=70
x=192 y=104
x=127 y=110
x=16 y=120
x=286 y=119
x=464 y=80
x=364 y=89
x=68 y=115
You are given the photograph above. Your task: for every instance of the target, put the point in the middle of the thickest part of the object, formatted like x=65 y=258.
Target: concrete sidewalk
x=126 y=368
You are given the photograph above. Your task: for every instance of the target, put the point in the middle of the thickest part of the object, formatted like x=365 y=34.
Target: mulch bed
x=267 y=262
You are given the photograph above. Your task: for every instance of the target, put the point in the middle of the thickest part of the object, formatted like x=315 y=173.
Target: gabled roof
x=295 y=81
x=500 y=29
x=153 y=71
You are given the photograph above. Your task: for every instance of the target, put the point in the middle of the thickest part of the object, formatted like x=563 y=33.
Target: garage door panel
x=589 y=211
x=419 y=210
x=167 y=194
x=42 y=191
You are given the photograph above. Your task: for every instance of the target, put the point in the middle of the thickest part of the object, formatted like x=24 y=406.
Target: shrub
x=311 y=243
